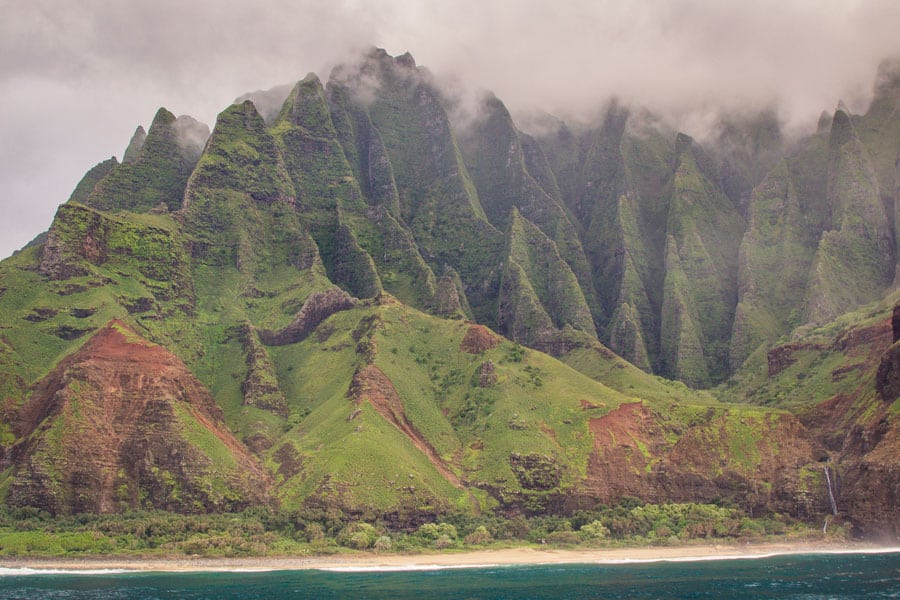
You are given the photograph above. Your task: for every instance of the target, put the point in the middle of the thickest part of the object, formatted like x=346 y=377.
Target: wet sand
x=389 y=562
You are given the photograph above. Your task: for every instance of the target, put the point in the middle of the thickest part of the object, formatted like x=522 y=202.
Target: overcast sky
x=77 y=76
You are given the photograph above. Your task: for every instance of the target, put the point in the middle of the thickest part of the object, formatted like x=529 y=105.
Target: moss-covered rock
x=353 y=267
x=157 y=168
x=346 y=223
x=854 y=262
x=260 y=388
x=539 y=294
x=705 y=231
x=81 y=236
x=133 y=151
x=773 y=268
x=495 y=158
x=436 y=195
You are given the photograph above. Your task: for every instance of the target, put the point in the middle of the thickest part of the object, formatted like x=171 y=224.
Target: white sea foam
x=396 y=568
x=603 y=561
x=713 y=557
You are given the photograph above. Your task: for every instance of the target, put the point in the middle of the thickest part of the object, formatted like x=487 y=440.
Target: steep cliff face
x=495 y=157
x=841 y=382
x=436 y=196
x=330 y=273
x=701 y=264
x=122 y=424
x=855 y=260
x=539 y=294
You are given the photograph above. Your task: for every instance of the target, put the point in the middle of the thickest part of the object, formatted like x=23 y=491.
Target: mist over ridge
x=77 y=80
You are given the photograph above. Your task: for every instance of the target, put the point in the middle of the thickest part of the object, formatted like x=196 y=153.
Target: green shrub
x=593 y=531
x=479 y=537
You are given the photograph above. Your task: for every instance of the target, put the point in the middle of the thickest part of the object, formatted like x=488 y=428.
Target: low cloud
x=77 y=78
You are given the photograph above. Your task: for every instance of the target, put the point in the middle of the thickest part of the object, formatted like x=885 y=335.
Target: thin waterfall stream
x=834 y=510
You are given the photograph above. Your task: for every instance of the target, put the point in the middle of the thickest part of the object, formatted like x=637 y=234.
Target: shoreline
x=522 y=556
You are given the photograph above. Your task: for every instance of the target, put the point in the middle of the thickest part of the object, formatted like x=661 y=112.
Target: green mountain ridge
x=336 y=281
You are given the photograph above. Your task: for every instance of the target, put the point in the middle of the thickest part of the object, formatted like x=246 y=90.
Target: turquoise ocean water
x=809 y=576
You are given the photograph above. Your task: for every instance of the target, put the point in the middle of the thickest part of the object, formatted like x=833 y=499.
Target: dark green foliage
x=260 y=531
x=534 y=471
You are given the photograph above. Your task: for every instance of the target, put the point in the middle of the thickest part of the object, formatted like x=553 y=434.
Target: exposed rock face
x=478 y=339
x=895 y=324
x=260 y=387
x=122 y=424
x=318 y=307
x=887 y=380
x=633 y=459
x=81 y=236
x=780 y=358
x=870 y=486
x=487 y=375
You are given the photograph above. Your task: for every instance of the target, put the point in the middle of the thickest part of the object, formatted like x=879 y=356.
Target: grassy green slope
x=354 y=458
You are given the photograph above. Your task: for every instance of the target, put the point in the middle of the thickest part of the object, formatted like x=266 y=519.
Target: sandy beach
x=368 y=561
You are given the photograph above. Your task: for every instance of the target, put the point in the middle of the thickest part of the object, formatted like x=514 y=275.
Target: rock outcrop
x=318 y=307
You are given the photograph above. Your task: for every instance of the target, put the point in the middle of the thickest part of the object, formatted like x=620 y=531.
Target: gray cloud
x=77 y=77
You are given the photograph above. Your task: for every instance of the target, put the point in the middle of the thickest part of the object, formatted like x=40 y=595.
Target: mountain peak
x=842 y=129
x=135 y=145
x=406 y=60
x=887 y=80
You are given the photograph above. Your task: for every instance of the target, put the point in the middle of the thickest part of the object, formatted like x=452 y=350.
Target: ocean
x=796 y=577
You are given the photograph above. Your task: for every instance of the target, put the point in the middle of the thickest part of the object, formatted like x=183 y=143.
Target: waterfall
x=830 y=491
